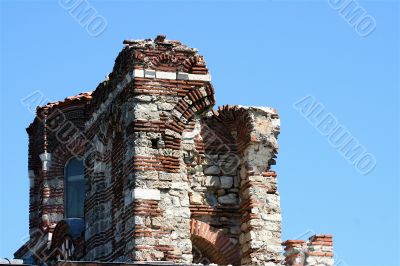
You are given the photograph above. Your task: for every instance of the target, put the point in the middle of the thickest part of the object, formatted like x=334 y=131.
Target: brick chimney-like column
x=319 y=251
x=294 y=252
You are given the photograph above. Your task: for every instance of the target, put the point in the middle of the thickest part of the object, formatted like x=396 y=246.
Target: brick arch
x=196 y=100
x=237 y=120
x=214 y=244
x=71 y=230
x=62 y=154
x=164 y=62
x=240 y=120
x=194 y=64
x=138 y=56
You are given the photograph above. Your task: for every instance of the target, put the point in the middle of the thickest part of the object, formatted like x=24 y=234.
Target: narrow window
x=74 y=189
x=154 y=143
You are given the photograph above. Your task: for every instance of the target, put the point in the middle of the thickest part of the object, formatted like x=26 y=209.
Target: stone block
x=212 y=170
x=149 y=73
x=271 y=217
x=196 y=198
x=176 y=202
x=226 y=181
x=165 y=75
x=206 y=77
x=138 y=73
x=212 y=181
x=221 y=192
x=274 y=248
x=146 y=111
x=187 y=257
x=165 y=106
x=230 y=198
x=256 y=244
x=211 y=199
x=180 y=185
x=144 y=98
x=146 y=194
x=156 y=222
x=182 y=75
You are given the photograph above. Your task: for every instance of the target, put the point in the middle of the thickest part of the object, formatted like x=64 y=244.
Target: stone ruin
x=143 y=170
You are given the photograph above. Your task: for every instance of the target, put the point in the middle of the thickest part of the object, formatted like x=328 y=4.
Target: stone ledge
x=150 y=73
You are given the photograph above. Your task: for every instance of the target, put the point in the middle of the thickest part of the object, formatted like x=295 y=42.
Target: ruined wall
x=232 y=187
x=211 y=159
x=182 y=171
x=166 y=177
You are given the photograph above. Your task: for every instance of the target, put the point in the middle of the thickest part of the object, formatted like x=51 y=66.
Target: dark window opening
x=154 y=143
x=74 y=189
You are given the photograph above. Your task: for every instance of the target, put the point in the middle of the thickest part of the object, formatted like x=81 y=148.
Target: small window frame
x=65 y=198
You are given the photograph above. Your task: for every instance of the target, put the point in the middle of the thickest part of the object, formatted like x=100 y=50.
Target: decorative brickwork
x=166 y=177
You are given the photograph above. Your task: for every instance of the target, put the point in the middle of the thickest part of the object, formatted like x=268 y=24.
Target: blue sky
x=262 y=53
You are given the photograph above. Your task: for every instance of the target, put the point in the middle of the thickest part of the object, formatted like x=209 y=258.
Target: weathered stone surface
x=228 y=199
x=226 y=181
x=196 y=198
x=212 y=181
x=212 y=170
x=221 y=192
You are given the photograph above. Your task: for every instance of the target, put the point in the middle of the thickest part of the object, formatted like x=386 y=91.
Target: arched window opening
x=74 y=189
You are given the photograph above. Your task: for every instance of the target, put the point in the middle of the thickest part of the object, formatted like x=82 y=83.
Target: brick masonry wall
x=52 y=142
x=149 y=109
x=167 y=178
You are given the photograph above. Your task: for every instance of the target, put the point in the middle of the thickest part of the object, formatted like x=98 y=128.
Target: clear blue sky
x=263 y=53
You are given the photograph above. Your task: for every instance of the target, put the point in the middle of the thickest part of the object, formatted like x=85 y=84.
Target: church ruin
x=143 y=170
